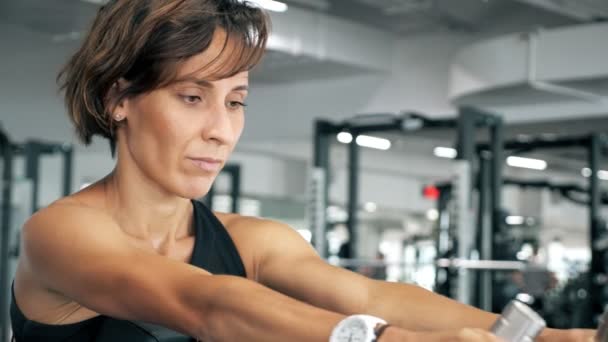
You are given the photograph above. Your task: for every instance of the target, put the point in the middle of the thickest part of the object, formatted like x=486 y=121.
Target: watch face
x=354 y=331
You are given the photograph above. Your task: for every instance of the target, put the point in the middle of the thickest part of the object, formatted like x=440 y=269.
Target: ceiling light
x=601 y=174
x=271 y=5
x=445 y=152
x=345 y=137
x=370 y=207
x=365 y=141
x=432 y=214
x=527 y=163
x=373 y=142
x=515 y=220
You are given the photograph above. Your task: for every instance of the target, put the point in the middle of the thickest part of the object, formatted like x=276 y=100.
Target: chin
x=195 y=189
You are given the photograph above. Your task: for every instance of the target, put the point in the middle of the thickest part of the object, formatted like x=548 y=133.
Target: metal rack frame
x=32 y=151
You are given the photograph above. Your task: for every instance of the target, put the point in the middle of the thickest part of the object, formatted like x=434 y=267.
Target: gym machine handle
x=518 y=323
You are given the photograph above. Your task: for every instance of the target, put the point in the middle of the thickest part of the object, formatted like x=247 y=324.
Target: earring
x=118 y=117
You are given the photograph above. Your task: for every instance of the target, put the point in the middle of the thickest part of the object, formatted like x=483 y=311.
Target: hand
x=394 y=334
x=574 y=335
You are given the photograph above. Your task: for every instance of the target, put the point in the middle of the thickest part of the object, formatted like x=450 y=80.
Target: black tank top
x=213 y=251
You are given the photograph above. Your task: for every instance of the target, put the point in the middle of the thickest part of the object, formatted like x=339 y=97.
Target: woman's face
x=180 y=136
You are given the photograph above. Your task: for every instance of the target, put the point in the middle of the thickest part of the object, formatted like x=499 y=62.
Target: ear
x=116 y=106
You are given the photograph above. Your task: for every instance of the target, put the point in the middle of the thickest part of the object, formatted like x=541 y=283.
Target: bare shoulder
x=55 y=228
x=62 y=215
x=257 y=238
x=66 y=220
x=264 y=234
x=237 y=225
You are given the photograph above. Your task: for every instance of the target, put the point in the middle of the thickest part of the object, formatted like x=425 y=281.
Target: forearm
x=412 y=307
x=243 y=310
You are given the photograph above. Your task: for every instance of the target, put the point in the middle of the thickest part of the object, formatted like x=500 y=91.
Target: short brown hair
x=143 y=41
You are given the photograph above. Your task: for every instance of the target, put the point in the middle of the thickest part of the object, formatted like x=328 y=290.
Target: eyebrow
x=209 y=85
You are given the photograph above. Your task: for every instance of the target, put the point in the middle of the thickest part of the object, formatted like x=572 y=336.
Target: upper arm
x=82 y=254
x=290 y=265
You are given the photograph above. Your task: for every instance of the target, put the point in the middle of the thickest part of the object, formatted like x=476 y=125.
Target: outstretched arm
x=295 y=269
x=81 y=255
x=415 y=308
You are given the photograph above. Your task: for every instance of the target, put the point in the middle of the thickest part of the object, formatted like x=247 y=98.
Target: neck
x=144 y=210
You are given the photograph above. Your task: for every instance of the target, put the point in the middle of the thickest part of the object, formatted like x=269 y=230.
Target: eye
x=236 y=104
x=191 y=99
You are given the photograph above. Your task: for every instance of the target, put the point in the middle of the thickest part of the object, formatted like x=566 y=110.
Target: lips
x=207 y=164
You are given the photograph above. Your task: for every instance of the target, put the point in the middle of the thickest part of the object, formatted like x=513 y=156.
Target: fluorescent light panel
x=527 y=163
x=271 y=5
x=445 y=152
x=373 y=142
x=365 y=141
x=515 y=220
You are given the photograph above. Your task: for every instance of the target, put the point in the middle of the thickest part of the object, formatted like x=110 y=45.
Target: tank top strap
x=214 y=249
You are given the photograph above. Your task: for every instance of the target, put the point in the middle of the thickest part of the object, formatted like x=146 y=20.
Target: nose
x=219 y=127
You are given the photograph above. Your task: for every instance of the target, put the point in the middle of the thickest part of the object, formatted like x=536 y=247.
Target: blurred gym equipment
x=14 y=212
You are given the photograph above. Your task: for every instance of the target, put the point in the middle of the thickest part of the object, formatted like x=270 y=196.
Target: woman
x=165 y=81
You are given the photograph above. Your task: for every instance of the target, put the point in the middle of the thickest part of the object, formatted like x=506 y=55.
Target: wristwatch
x=358 y=328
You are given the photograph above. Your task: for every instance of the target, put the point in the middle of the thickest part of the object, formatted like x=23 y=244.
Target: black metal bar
x=465 y=147
x=540 y=143
x=596 y=230
x=7 y=152
x=372 y=128
x=235 y=191
x=68 y=160
x=496 y=183
x=321 y=143
x=353 y=198
x=443 y=276
x=384 y=122
x=483 y=280
x=466 y=135
x=32 y=159
x=321 y=155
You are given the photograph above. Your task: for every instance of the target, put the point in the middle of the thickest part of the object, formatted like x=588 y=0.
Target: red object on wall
x=431 y=192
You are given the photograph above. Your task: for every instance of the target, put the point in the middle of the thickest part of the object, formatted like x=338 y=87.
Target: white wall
x=418 y=81
x=29 y=104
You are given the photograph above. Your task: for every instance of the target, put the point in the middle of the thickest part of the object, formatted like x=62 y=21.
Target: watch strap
x=379 y=330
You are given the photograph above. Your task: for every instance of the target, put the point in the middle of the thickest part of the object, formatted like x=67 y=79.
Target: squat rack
x=596 y=145
x=488 y=159
x=467 y=123
x=489 y=185
x=32 y=151
x=324 y=133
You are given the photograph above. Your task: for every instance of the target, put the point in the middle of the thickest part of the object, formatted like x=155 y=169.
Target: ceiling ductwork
x=308 y=44
x=536 y=72
x=583 y=10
